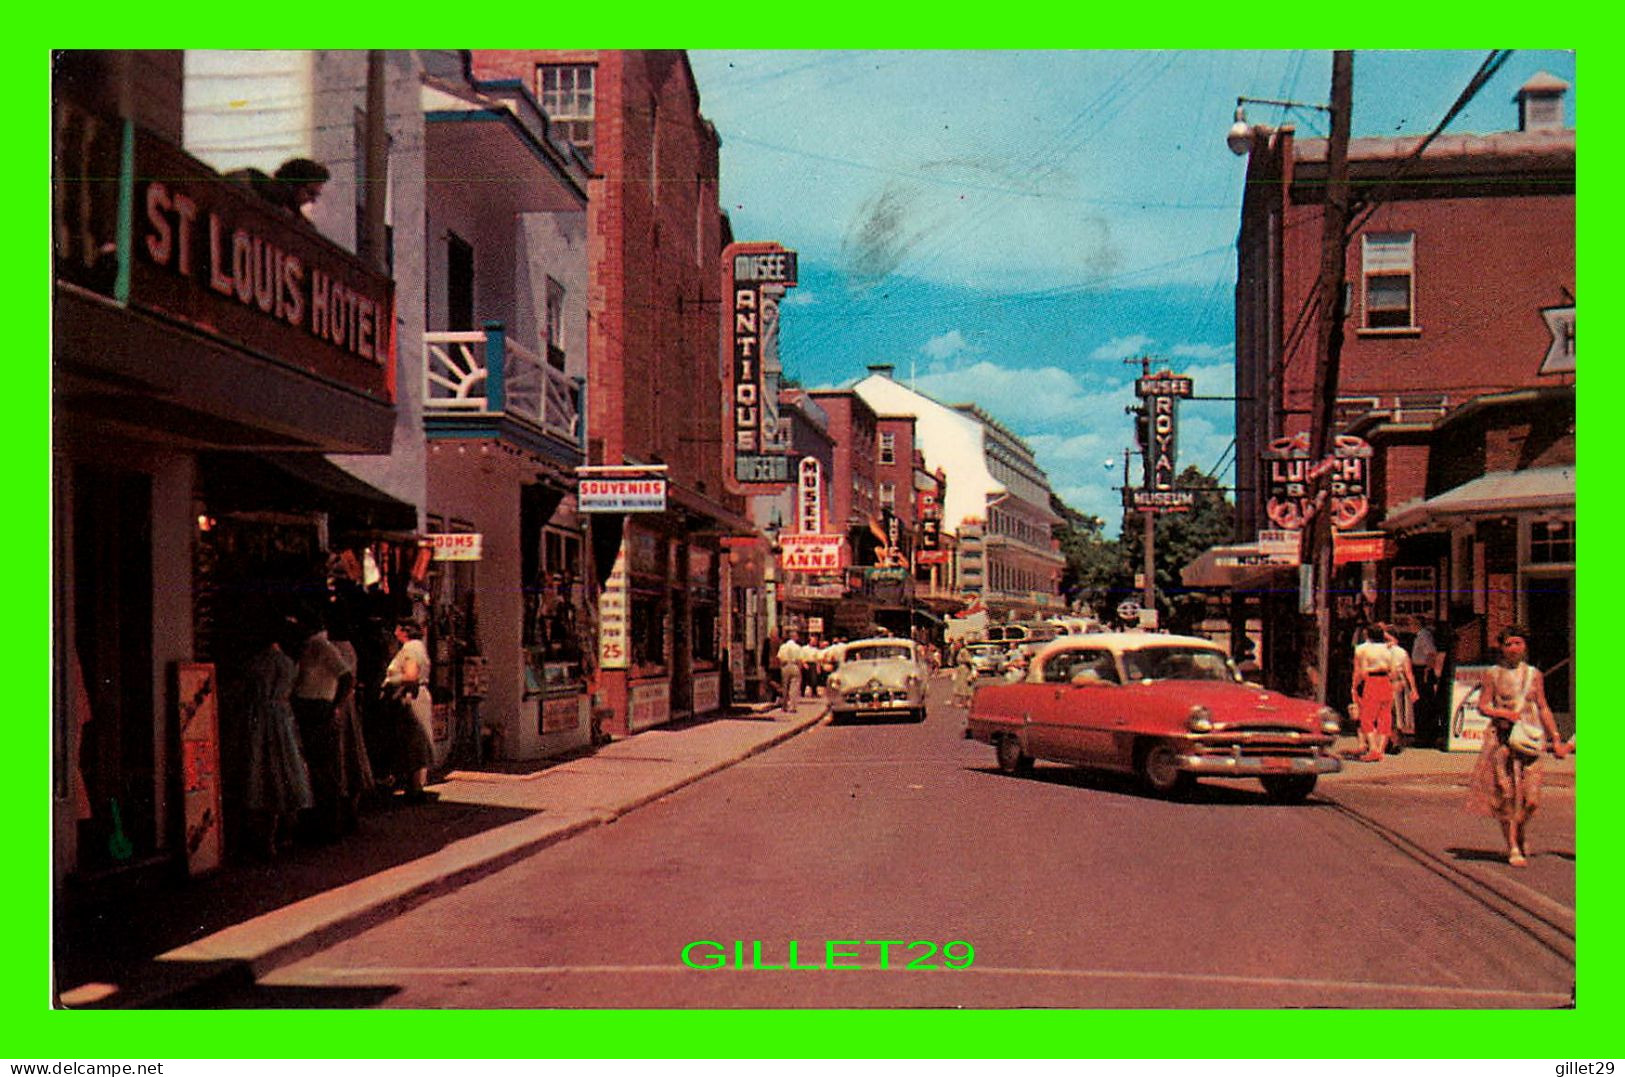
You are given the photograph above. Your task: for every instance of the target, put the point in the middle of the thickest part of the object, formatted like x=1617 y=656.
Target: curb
x=216 y=960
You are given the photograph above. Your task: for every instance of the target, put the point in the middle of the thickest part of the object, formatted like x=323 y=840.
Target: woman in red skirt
x=1373 y=687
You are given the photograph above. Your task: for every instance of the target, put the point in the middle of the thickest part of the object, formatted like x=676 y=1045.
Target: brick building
x=1457 y=371
x=655 y=236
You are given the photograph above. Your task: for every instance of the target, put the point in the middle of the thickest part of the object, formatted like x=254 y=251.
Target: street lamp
x=1240 y=136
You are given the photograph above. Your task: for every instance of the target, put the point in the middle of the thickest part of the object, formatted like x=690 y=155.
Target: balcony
x=480 y=382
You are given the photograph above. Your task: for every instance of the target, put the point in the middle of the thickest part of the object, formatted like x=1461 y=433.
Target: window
x=888 y=494
x=1388 y=265
x=888 y=448
x=566 y=92
x=1551 y=542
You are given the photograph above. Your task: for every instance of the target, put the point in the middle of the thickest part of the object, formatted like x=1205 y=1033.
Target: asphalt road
x=1073 y=889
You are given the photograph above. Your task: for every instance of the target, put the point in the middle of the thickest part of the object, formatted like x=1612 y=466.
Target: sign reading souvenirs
x=809 y=496
x=810 y=553
x=1291 y=478
x=753 y=274
x=463 y=546
x=1160 y=392
x=621 y=489
x=214 y=255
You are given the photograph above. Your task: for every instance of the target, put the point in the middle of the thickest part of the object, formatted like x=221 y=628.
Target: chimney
x=883 y=369
x=1540 y=103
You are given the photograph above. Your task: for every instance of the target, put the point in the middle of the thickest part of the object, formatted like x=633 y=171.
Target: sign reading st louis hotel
x=213 y=254
x=753 y=465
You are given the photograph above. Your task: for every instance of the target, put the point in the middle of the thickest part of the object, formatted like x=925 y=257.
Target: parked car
x=1168 y=709
x=881 y=675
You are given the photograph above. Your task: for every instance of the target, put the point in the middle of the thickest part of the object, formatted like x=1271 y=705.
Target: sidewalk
x=1431 y=766
x=249 y=919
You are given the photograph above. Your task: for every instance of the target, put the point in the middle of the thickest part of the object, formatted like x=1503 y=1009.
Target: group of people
x=802 y=667
x=316 y=742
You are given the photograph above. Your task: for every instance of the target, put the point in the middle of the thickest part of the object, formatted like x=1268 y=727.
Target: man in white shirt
x=323 y=674
x=790 y=658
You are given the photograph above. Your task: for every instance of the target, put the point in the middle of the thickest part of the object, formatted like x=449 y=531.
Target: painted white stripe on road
x=1543 y=998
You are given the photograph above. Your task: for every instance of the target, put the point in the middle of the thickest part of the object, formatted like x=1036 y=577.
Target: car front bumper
x=1209 y=765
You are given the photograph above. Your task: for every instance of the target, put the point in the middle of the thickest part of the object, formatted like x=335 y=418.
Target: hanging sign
x=621 y=495
x=463 y=546
x=811 y=553
x=753 y=275
x=1160 y=393
x=1292 y=476
x=809 y=496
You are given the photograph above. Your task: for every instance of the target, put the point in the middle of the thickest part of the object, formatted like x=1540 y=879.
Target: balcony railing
x=483 y=372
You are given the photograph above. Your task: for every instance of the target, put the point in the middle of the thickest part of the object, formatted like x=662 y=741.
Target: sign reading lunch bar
x=213 y=254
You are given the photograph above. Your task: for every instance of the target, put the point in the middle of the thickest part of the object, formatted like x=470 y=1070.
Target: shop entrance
x=1549 y=608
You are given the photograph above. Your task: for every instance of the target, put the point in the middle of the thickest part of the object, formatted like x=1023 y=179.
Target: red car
x=1168 y=709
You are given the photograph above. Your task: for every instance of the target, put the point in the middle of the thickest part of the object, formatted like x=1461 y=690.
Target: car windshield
x=1176 y=663
x=986 y=648
x=879 y=652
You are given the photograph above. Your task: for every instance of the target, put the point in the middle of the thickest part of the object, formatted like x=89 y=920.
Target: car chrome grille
x=868 y=697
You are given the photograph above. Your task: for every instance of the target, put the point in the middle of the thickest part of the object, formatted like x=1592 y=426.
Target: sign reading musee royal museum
x=753 y=275
x=214 y=255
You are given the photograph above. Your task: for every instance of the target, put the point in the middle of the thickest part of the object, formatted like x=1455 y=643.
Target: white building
x=996 y=503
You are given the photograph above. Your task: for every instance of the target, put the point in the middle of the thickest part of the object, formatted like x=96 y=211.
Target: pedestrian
x=278 y=780
x=1374 y=692
x=964 y=678
x=406 y=685
x=1403 y=679
x=321 y=678
x=770 y=668
x=1505 y=782
x=1427 y=663
x=813 y=656
x=789 y=656
x=354 y=766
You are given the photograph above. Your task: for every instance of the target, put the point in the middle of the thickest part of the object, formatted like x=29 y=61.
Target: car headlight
x=1199 y=721
x=835 y=681
x=1329 y=721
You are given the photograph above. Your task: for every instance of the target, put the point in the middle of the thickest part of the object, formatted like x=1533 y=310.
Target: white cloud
x=799 y=297
x=946 y=345
x=1022 y=399
x=1202 y=351
x=1122 y=347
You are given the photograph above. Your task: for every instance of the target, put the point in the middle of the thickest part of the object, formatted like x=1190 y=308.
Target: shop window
x=1551 y=542
x=704 y=640
x=648 y=631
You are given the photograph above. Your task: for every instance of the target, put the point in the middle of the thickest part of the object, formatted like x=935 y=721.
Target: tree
x=1181 y=538
x=1094 y=563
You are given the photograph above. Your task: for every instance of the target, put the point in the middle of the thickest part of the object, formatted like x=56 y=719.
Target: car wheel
x=1012 y=760
x=1155 y=764
x=1288 y=788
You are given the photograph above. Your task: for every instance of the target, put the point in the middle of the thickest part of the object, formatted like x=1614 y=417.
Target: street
x=1074 y=889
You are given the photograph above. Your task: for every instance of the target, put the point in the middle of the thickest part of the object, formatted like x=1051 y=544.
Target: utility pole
x=1148 y=590
x=1333 y=253
x=371 y=246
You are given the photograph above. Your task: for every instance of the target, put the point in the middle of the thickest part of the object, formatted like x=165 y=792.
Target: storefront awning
x=299 y=482
x=1241 y=566
x=1498 y=492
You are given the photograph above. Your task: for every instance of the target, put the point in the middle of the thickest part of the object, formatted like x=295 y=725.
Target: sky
x=1007 y=228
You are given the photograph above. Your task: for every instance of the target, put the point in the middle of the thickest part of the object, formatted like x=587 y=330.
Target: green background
x=34 y=1031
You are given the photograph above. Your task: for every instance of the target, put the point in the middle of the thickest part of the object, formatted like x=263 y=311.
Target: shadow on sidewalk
x=113 y=937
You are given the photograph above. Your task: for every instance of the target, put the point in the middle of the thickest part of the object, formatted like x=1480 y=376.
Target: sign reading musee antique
x=621 y=495
x=1160 y=392
x=1291 y=478
x=811 y=553
x=215 y=255
x=754 y=275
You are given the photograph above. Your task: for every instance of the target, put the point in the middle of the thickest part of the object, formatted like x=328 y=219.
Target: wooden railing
x=483 y=372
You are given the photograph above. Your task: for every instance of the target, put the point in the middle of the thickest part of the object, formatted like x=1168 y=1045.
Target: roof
x=1543 y=82
x=1491 y=494
x=1125 y=641
x=1244 y=566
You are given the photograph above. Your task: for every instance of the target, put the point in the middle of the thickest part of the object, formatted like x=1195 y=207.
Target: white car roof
x=1118 y=642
